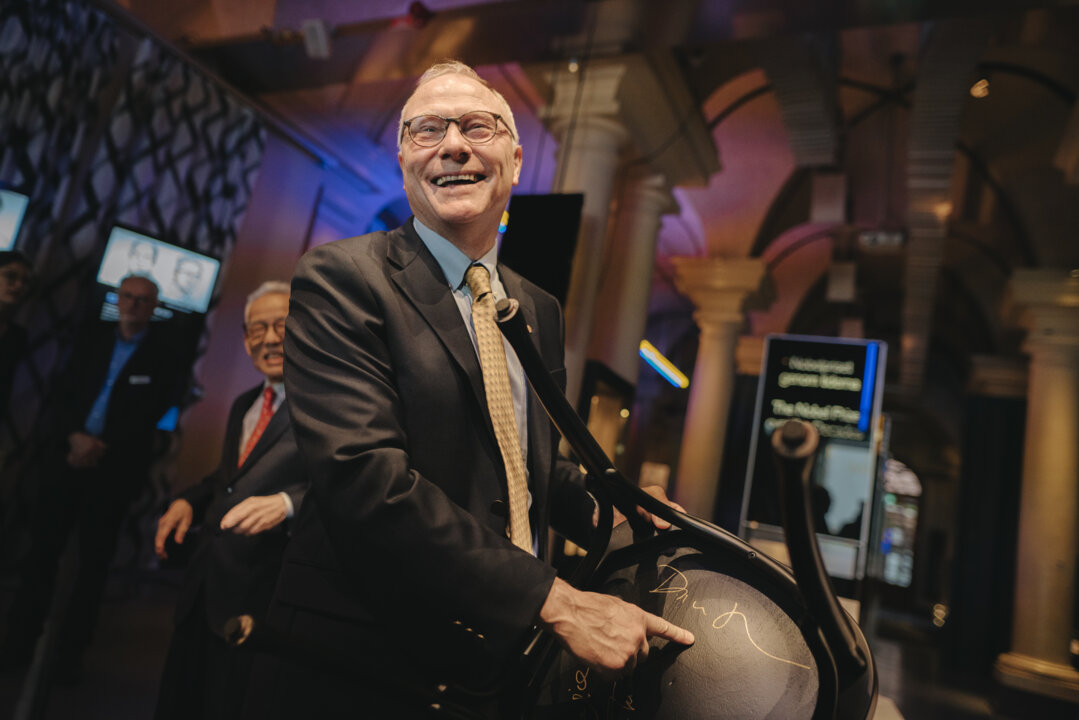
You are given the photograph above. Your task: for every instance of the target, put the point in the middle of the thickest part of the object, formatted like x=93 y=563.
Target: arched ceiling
x=809 y=109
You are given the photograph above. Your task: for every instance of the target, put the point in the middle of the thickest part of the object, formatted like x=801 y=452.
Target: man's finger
x=239 y=514
x=181 y=530
x=658 y=627
x=163 y=529
x=231 y=518
x=248 y=524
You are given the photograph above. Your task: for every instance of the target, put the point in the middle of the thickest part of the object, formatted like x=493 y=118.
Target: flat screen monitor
x=12 y=210
x=184 y=278
x=540 y=239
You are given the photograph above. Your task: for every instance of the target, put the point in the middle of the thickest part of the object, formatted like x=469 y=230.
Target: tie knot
x=268 y=394
x=479 y=281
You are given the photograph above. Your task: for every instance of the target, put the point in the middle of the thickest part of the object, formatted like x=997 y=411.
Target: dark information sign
x=835 y=384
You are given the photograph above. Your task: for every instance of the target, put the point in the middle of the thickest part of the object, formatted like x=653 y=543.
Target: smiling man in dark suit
x=121 y=379
x=242 y=506
x=415 y=550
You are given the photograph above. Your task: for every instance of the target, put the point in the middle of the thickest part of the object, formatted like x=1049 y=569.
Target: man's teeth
x=446 y=179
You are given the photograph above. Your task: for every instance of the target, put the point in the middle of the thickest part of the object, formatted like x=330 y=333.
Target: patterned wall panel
x=103 y=128
x=55 y=60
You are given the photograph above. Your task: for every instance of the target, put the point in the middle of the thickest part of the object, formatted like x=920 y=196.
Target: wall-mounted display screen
x=185 y=278
x=12 y=210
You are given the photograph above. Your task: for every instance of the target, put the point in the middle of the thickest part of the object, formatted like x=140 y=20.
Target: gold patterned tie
x=496 y=382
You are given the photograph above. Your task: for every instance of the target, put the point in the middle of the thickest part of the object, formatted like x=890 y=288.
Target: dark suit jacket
x=12 y=349
x=237 y=573
x=150 y=382
x=404 y=529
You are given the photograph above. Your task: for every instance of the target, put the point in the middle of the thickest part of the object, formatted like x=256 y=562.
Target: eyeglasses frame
x=407 y=127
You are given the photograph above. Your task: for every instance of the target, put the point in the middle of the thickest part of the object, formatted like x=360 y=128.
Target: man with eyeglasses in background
x=408 y=561
x=242 y=507
x=120 y=379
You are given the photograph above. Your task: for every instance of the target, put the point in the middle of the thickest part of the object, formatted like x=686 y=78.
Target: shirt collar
x=278 y=388
x=449 y=257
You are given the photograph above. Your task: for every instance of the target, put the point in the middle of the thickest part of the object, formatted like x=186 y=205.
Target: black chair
x=769 y=643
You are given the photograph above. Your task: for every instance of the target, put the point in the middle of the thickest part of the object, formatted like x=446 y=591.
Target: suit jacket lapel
x=421 y=280
x=235 y=429
x=278 y=424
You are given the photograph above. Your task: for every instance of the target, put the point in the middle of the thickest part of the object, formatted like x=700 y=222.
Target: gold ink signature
x=581 y=677
x=681 y=592
x=678 y=586
x=745 y=621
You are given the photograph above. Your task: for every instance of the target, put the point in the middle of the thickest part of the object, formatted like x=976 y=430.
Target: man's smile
x=459 y=179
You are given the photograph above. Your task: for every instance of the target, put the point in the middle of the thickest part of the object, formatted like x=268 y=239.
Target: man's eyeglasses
x=478 y=127
x=138 y=299
x=14 y=276
x=256 y=331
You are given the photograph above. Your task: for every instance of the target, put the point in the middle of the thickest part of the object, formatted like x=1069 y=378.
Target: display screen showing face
x=185 y=278
x=12 y=211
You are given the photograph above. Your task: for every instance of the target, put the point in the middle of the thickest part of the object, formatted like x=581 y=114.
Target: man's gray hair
x=456 y=67
x=270 y=287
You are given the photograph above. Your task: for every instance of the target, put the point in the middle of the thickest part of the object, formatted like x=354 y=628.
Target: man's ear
x=518 y=154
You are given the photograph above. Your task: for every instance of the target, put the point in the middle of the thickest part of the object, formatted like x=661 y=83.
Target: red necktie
x=264 y=419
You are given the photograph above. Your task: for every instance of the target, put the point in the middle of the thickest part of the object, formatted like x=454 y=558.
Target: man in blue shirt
x=120 y=380
x=419 y=552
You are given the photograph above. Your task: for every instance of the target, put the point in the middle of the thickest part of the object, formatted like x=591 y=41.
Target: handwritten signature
x=677 y=585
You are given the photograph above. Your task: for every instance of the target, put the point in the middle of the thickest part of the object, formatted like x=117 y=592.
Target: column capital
x=591 y=93
x=719 y=287
x=1049 y=300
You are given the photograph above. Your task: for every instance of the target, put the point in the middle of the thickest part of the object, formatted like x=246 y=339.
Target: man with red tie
x=243 y=507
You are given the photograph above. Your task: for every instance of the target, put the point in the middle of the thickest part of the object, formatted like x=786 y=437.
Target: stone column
x=584 y=119
x=622 y=305
x=719 y=288
x=1039 y=660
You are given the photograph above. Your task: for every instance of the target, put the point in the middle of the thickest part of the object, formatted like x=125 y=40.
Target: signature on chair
x=677 y=585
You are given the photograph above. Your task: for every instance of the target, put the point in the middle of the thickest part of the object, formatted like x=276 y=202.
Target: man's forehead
x=450 y=90
x=136 y=284
x=269 y=303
